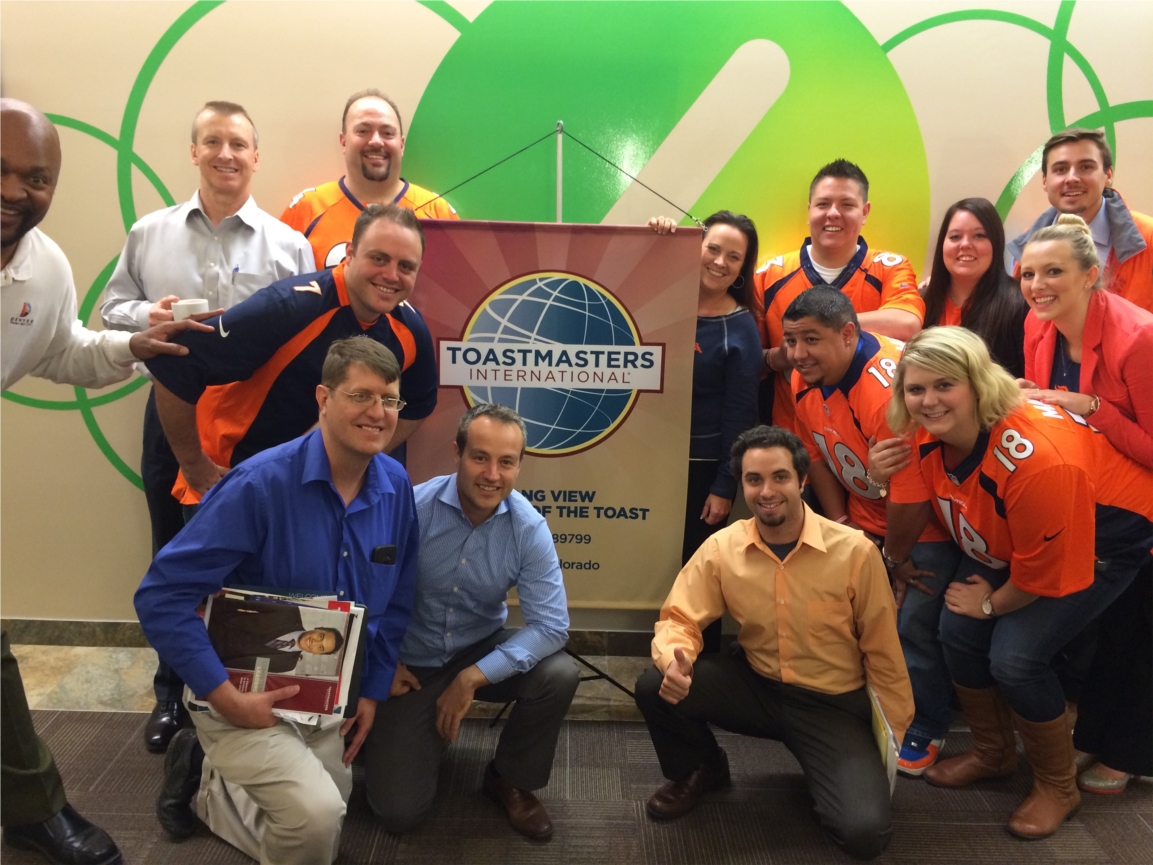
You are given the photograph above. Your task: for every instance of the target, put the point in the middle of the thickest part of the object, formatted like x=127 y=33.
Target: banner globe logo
x=559 y=349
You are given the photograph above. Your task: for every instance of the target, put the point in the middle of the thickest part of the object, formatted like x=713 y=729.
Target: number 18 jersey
x=1043 y=494
x=836 y=422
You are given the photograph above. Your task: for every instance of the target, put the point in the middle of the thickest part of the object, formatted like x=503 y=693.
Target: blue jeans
x=918 y=621
x=1014 y=651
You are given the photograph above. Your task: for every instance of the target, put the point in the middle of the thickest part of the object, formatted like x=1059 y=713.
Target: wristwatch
x=891 y=563
x=987 y=606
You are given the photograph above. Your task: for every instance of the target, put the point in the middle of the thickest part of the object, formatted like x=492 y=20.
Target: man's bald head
x=29 y=169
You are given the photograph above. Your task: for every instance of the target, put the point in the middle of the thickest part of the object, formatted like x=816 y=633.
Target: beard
x=376 y=175
x=27 y=221
x=773 y=520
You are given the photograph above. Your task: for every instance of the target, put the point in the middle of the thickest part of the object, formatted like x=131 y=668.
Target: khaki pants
x=278 y=794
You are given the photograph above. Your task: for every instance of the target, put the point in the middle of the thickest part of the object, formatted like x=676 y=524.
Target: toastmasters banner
x=588 y=332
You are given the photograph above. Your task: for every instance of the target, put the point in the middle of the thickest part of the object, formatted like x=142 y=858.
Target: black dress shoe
x=65 y=839
x=166 y=719
x=182 y=767
x=676 y=798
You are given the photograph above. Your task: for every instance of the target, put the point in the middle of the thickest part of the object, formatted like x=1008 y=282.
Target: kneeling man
x=817 y=621
x=478 y=539
x=304 y=516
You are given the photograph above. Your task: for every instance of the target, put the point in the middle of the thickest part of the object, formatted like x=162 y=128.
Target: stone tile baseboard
x=52 y=632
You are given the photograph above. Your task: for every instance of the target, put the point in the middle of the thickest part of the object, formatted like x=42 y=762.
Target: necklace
x=1068 y=365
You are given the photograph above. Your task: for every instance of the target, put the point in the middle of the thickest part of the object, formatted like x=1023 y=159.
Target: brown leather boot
x=994 y=751
x=1049 y=747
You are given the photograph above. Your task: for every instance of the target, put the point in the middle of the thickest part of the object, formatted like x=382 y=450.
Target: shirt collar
x=317 y=468
x=1099 y=227
x=846 y=274
x=451 y=497
x=867 y=348
x=247 y=213
x=20 y=268
x=811 y=534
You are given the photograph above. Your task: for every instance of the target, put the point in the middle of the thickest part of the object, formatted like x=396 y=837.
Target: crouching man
x=817 y=621
x=304 y=516
x=478 y=539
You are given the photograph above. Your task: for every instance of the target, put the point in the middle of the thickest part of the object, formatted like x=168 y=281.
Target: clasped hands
x=1071 y=401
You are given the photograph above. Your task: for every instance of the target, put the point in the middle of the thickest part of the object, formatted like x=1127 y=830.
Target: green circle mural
x=622 y=75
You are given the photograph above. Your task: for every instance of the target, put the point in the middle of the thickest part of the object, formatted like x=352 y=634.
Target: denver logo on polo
x=562 y=351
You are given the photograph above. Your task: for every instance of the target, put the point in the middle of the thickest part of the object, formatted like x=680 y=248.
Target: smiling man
x=218 y=246
x=881 y=285
x=842 y=383
x=305 y=516
x=479 y=538
x=817 y=623
x=248 y=384
x=372 y=141
x=1077 y=174
x=43 y=337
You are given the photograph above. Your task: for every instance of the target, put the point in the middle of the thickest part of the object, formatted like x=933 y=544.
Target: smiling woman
x=968 y=286
x=1054 y=523
x=1087 y=350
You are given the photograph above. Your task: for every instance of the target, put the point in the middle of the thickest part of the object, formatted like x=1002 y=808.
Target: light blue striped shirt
x=463 y=578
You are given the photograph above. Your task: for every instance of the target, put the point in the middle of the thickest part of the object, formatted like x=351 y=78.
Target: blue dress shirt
x=464 y=576
x=277 y=521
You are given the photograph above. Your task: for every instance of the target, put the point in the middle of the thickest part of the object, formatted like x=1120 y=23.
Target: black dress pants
x=702 y=473
x=1115 y=714
x=158 y=470
x=30 y=787
x=830 y=735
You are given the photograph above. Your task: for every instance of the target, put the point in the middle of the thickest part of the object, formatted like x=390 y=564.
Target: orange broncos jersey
x=327 y=213
x=1044 y=494
x=836 y=422
x=872 y=281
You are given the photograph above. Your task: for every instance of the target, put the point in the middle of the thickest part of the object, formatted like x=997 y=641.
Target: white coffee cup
x=182 y=309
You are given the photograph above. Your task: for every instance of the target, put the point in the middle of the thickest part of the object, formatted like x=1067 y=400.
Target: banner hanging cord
x=631 y=177
x=545 y=137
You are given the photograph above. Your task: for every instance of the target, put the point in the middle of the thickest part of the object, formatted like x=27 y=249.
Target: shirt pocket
x=244 y=285
x=831 y=641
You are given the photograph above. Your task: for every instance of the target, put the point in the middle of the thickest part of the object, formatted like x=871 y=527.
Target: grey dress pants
x=403 y=752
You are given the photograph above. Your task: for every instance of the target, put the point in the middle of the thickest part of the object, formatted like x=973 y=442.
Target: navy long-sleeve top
x=726 y=369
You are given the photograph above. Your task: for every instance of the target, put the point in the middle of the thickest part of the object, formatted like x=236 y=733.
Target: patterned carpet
x=604 y=771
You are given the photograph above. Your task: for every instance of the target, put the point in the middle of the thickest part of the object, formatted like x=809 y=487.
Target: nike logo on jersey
x=1050 y=537
x=223 y=333
x=312 y=287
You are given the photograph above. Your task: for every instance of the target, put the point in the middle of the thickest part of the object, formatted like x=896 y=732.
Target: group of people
x=989 y=431
x=955 y=483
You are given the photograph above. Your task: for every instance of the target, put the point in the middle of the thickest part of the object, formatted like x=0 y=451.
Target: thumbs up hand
x=678 y=678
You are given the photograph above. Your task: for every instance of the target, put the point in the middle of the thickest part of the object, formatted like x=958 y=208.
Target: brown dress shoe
x=525 y=812
x=676 y=798
x=994 y=751
x=1049 y=747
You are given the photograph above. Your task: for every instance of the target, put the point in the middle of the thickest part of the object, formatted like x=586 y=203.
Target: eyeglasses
x=389 y=403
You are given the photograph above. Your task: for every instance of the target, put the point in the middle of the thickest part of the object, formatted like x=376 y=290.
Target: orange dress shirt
x=823 y=619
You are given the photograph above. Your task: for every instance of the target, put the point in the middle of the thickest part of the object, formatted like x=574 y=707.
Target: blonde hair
x=958 y=354
x=1072 y=229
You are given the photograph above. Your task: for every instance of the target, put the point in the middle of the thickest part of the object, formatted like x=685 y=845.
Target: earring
x=741 y=284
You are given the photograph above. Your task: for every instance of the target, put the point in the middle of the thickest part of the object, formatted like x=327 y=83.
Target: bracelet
x=882 y=488
x=842 y=519
x=891 y=563
x=1093 y=406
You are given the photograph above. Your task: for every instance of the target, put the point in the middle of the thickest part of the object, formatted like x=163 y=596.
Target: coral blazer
x=1116 y=365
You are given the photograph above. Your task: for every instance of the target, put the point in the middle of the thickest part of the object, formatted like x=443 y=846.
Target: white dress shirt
x=41 y=334
x=179 y=251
